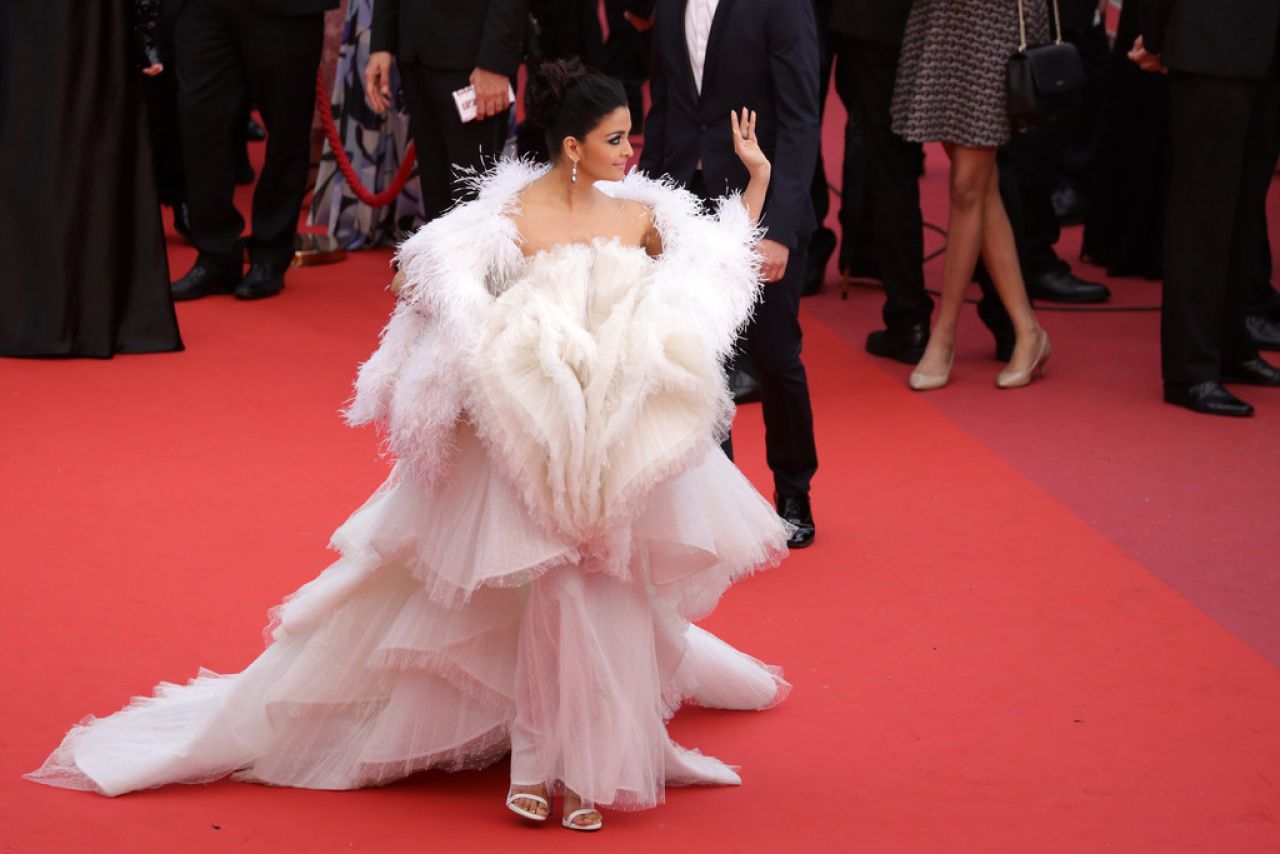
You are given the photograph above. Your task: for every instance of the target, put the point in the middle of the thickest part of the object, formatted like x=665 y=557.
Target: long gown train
x=382 y=666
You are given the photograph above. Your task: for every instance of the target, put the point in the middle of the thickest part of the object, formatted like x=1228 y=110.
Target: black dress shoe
x=1208 y=397
x=1252 y=372
x=903 y=344
x=795 y=509
x=262 y=280
x=1062 y=286
x=821 y=247
x=205 y=279
x=1264 y=334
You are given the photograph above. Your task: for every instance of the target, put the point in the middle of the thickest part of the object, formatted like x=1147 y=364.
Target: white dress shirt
x=698 y=15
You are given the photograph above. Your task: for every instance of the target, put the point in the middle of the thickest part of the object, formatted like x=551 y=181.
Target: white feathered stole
x=591 y=372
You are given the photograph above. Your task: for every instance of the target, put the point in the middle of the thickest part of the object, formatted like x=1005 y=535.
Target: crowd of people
x=554 y=377
x=1133 y=158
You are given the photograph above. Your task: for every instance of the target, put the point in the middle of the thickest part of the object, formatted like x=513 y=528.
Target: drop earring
x=573 y=176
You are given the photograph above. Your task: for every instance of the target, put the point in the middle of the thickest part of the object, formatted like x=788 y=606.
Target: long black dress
x=83 y=270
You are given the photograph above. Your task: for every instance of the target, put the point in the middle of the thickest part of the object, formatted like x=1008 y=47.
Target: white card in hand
x=465 y=100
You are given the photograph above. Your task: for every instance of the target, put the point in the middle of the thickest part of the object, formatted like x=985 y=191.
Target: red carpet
x=985 y=651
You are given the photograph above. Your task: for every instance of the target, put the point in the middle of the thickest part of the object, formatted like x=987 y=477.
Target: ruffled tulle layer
x=454 y=628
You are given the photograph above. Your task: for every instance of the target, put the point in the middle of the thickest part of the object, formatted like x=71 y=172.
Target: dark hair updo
x=565 y=98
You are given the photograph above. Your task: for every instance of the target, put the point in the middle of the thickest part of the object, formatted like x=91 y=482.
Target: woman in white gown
x=559 y=512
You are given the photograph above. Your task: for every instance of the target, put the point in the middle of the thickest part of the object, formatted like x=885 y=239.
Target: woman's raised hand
x=745 y=143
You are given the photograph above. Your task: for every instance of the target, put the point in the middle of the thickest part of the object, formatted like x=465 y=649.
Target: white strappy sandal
x=568 y=822
x=524 y=813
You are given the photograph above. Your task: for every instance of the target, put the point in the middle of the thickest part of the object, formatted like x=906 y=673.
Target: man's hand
x=775 y=259
x=153 y=69
x=377 y=81
x=1145 y=60
x=491 y=93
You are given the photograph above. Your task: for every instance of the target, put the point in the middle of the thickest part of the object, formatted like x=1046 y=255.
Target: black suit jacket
x=1223 y=38
x=882 y=21
x=1077 y=15
x=453 y=35
x=762 y=54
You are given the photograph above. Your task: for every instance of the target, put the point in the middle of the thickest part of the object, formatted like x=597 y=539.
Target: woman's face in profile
x=606 y=149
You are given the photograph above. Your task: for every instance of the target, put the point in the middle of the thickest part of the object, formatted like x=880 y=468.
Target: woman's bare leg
x=972 y=171
x=1000 y=254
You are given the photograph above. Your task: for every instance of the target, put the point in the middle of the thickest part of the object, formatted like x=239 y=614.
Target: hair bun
x=548 y=86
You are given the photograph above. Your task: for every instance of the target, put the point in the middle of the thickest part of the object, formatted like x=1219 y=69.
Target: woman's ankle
x=943 y=337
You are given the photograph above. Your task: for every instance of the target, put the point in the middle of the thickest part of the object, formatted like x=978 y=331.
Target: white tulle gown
x=535 y=598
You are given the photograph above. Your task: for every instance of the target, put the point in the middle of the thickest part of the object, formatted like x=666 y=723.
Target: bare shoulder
x=641 y=218
x=638 y=215
x=635 y=208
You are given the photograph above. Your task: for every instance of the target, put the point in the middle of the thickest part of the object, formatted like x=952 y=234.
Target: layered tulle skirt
x=453 y=629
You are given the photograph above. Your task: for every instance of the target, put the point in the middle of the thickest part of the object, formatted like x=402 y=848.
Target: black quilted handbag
x=1044 y=80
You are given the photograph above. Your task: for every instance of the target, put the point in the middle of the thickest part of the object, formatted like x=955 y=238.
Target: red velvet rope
x=373 y=200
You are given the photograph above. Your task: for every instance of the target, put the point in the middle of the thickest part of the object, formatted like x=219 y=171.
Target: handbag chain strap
x=1022 y=26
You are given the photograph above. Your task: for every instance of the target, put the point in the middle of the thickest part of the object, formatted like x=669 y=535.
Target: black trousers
x=865 y=73
x=230 y=51
x=1083 y=133
x=161 y=93
x=773 y=341
x=441 y=139
x=1222 y=145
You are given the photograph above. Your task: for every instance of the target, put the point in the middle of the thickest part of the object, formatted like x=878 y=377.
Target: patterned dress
x=951 y=75
x=375 y=144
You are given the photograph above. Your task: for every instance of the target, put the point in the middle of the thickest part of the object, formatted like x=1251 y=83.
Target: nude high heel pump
x=1010 y=378
x=921 y=381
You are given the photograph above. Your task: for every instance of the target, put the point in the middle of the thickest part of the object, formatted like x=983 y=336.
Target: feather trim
x=416 y=385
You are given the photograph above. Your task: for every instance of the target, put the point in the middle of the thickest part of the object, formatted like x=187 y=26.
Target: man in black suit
x=231 y=52
x=867 y=37
x=1223 y=62
x=441 y=46
x=710 y=57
